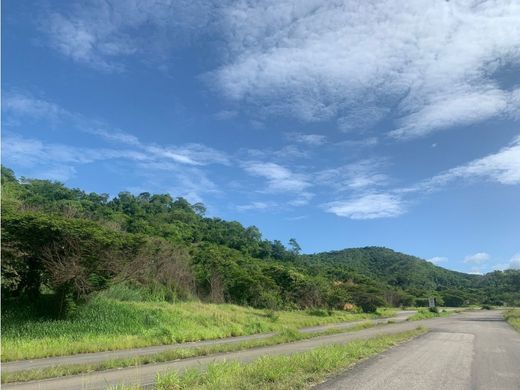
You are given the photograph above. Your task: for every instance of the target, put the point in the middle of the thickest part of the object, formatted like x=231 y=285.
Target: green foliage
x=155 y=247
x=104 y=323
x=282 y=372
x=513 y=317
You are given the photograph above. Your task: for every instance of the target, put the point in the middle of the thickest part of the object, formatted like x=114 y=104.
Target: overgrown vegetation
x=108 y=324
x=76 y=265
x=513 y=317
x=282 y=372
x=285 y=336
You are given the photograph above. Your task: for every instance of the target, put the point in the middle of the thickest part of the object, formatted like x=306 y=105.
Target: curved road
x=474 y=351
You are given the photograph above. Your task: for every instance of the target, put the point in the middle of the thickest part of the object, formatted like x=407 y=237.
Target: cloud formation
x=279 y=178
x=438 y=259
x=477 y=258
x=434 y=62
x=102 y=34
x=368 y=206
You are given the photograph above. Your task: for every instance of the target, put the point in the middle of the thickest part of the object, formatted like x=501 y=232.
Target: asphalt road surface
x=473 y=350
x=476 y=350
x=97 y=357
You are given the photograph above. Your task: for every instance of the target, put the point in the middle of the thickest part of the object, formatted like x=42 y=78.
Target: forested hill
x=393 y=268
x=68 y=244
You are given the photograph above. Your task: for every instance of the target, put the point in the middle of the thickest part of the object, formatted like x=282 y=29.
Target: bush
x=319 y=312
x=369 y=302
x=434 y=309
x=487 y=307
x=272 y=315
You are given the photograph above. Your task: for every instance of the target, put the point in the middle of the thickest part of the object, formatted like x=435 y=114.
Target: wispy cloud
x=17 y=103
x=358 y=175
x=103 y=34
x=369 y=206
x=502 y=167
x=366 y=176
x=308 y=139
x=438 y=260
x=454 y=108
x=25 y=106
x=279 y=178
x=257 y=206
x=433 y=63
x=477 y=258
x=514 y=263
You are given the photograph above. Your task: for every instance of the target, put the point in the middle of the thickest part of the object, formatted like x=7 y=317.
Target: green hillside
x=62 y=246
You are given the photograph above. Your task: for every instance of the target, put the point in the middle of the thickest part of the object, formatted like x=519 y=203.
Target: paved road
x=88 y=358
x=473 y=351
x=146 y=374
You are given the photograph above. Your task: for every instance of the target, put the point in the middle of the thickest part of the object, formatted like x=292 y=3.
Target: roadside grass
x=296 y=371
x=105 y=324
x=513 y=317
x=424 y=314
x=286 y=336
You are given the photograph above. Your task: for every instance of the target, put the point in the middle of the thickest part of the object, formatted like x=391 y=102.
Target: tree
x=295 y=247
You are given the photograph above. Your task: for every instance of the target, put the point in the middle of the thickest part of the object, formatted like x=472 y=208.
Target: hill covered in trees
x=68 y=244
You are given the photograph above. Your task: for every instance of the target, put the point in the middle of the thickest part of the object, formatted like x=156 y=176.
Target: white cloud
x=359 y=175
x=225 y=115
x=302 y=199
x=370 y=206
x=256 y=206
x=279 y=178
x=190 y=154
x=514 y=263
x=25 y=106
x=438 y=259
x=117 y=136
x=102 y=34
x=460 y=107
x=308 y=139
x=503 y=167
x=434 y=62
x=477 y=258
x=16 y=103
x=476 y=271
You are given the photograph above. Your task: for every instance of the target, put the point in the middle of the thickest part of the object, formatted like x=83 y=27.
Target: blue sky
x=342 y=124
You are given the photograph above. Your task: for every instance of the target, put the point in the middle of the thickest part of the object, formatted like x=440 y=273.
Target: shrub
x=319 y=312
x=434 y=309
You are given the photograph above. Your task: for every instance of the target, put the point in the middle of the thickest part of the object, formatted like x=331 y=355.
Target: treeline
x=68 y=244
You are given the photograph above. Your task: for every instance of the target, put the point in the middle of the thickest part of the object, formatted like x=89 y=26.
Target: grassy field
x=513 y=317
x=297 y=371
x=108 y=324
x=287 y=336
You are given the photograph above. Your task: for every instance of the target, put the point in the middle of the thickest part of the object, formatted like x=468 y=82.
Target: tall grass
x=286 y=336
x=282 y=372
x=424 y=314
x=109 y=324
x=513 y=317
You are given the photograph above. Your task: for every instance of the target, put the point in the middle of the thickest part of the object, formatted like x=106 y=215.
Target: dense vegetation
x=513 y=317
x=61 y=247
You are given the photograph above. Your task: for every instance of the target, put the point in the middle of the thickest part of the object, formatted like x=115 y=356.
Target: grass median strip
x=296 y=371
x=425 y=314
x=286 y=336
x=105 y=324
x=513 y=317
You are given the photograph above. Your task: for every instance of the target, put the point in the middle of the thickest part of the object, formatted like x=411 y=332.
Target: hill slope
x=68 y=244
